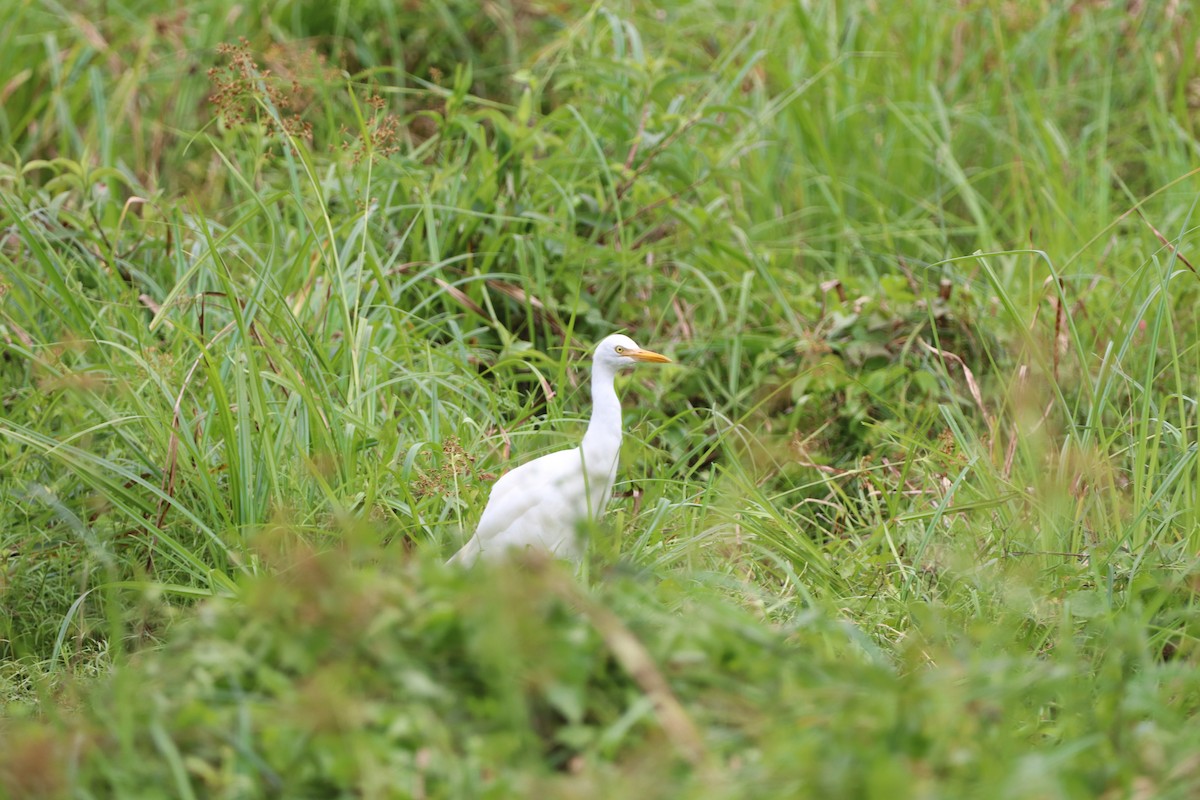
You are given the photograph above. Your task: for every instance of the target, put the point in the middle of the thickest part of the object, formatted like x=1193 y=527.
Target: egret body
x=542 y=504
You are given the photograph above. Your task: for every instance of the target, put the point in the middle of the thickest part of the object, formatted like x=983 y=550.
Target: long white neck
x=602 y=442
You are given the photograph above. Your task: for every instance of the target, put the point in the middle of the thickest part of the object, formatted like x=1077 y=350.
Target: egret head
x=620 y=351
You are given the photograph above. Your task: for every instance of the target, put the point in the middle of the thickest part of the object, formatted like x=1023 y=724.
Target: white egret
x=542 y=504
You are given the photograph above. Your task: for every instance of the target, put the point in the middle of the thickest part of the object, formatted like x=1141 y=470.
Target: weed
x=916 y=513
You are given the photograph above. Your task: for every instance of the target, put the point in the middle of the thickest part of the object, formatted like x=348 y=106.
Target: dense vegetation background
x=286 y=284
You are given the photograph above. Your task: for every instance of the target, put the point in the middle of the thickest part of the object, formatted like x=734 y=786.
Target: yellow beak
x=649 y=355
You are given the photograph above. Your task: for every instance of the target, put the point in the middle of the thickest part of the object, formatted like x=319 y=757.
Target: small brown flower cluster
x=382 y=137
x=241 y=90
x=456 y=463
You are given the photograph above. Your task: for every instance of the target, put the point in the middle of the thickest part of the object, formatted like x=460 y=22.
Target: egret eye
x=620 y=349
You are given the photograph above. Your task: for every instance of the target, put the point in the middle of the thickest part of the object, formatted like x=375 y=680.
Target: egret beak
x=649 y=355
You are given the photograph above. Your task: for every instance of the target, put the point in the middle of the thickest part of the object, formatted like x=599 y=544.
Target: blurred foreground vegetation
x=286 y=285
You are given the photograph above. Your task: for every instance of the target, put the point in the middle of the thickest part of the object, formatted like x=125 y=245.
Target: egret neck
x=602 y=441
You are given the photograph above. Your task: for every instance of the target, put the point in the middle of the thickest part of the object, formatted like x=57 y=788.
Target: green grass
x=914 y=515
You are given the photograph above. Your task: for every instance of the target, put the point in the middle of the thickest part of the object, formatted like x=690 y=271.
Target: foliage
x=339 y=676
x=284 y=286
